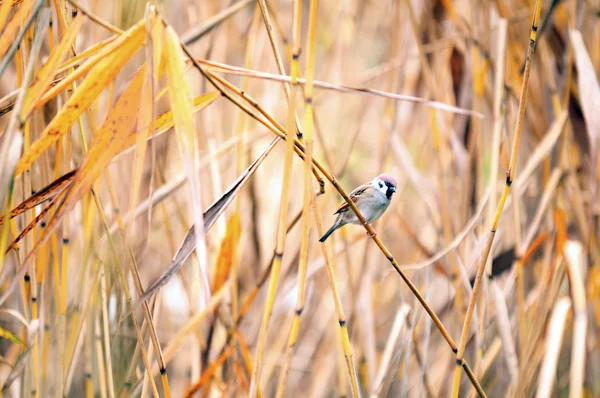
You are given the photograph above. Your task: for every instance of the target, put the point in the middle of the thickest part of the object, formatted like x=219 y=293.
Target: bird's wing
x=354 y=196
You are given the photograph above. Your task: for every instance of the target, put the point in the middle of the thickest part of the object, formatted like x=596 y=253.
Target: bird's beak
x=392 y=189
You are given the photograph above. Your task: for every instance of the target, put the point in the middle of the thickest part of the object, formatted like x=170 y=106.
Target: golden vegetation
x=166 y=169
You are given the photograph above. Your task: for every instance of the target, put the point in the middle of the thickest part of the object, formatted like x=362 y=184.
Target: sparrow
x=372 y=199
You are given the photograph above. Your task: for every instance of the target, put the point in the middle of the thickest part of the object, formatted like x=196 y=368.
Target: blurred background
x=426 y=91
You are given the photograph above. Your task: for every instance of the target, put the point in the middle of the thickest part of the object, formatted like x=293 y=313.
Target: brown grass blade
x=30 y=226
x=47 y=193
x=209 y=217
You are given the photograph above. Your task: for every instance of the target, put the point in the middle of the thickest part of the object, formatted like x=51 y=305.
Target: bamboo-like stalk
x=337 y=300
x=499 y=113
x=295 y=327
x=281 y=237
x=509 y=179
x=308 y=127
x=241 y=132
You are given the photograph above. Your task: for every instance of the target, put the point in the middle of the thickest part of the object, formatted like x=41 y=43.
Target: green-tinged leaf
x=7 y=334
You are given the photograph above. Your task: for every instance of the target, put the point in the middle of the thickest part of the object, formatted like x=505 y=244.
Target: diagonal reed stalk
x=277 y=129
x=510 y=174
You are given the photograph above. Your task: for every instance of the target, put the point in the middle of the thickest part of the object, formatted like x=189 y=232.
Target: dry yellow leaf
x=103 y=148
x=4 y=10
x=87 y=53
x=561 y=229
x=91 y=87
x=126 y=45
x=148 y=98
x=14 y=25
x=164 y=121
x=10 y=336
x=44 y=77
x=179 y=93
x=227 y=251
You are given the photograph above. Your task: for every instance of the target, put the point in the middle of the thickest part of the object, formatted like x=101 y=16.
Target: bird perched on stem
x=372 y=199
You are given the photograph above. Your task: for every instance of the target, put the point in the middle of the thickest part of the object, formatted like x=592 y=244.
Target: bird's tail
x=326 y=234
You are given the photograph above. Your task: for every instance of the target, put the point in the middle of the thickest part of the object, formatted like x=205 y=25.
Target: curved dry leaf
x=12 y=151
x=575 y=254
x=504 y=329
x=556 y=328
x=17 y=369
x=47 y=193
x=30 y=226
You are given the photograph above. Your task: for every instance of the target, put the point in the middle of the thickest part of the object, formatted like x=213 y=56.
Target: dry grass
x=166 y=169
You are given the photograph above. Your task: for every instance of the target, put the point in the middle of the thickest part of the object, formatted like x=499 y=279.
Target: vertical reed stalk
x=510 y=174
x=281 y=237
x=293 y=335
